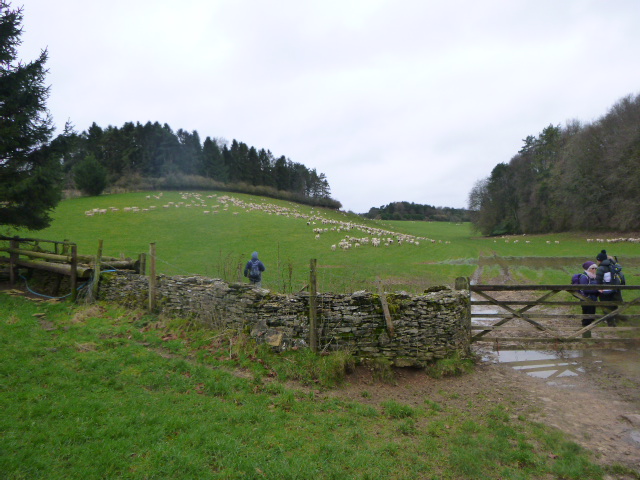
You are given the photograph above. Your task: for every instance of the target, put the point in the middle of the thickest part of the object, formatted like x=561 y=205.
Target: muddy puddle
x=565 y=364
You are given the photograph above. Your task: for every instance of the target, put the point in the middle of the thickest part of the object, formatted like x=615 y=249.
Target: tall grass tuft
x=311 y=369
x=450 y=367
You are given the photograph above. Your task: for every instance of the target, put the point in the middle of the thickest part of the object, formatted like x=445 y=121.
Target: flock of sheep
x=212 y=204
x=613 y=240
x=589 y=240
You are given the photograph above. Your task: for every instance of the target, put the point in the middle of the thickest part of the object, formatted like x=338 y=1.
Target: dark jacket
x=603 y=269
x=601 y=275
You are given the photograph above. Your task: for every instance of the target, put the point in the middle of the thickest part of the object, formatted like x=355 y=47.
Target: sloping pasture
x=213 y=233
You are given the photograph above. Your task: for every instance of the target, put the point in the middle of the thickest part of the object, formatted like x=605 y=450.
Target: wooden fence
x=547 y=313
x=59 y=257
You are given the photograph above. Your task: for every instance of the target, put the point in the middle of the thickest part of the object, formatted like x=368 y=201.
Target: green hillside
x=213 y=233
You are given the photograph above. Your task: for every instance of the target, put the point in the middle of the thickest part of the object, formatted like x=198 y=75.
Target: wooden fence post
x=142 y=264
x=96 y=271
x=313 y=324
x=385 y=308
x=74 y=272
x=152 y=277
x=13 y=258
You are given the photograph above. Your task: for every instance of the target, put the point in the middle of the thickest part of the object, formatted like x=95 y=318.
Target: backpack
x=254 y=270
x=616 y=276
x=575 y=279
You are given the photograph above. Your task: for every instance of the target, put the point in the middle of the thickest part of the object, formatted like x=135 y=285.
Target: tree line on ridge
x=157 y=157
x=581 y=177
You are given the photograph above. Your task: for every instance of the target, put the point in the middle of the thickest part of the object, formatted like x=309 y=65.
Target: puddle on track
x=558 y=367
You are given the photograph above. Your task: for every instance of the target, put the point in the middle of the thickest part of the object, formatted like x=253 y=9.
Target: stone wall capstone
x=427 y=327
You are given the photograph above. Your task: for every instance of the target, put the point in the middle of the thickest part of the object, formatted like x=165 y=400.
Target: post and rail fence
x=60 y=257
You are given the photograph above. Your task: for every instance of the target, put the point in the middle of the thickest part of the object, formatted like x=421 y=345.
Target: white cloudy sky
x=410 y=100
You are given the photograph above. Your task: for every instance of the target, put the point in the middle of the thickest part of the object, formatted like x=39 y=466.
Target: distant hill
x=415 y=211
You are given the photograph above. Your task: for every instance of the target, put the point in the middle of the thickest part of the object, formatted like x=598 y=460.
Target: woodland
x=580 y=177
x=153 y=156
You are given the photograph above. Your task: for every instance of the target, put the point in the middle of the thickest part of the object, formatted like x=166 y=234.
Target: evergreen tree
x=267 y=168
x=253 y=176
x=30 y=170
x=213 y=162
x=90 y=176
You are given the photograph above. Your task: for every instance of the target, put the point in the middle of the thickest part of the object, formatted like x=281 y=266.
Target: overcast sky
x=403 y=100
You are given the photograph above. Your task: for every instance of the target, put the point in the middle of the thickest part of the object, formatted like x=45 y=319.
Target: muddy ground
x=599 y=409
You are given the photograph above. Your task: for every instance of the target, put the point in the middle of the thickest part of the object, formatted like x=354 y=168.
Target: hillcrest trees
x=153 y=155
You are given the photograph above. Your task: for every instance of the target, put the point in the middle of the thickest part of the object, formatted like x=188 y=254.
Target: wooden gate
x=524 y=314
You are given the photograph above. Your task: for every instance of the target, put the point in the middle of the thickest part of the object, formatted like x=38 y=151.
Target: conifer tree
x=30 y=172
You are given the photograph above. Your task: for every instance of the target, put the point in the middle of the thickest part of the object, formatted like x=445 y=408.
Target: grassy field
x=191 y=238
x=101 y=392
x=96 y=392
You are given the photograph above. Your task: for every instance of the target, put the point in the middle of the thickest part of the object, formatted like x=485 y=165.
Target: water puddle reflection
x=542 y=364
x=553 y=366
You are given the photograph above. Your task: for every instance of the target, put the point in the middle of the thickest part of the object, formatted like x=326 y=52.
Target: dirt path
x=599 y=408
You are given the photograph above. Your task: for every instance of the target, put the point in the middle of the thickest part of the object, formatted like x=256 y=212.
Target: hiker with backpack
x=609 y=272
x=588 y=277
x=253 y=270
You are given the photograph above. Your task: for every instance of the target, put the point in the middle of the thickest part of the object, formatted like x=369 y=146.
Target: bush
x=90 y=176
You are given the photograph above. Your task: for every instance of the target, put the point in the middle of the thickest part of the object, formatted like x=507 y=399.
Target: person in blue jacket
x=253 y=270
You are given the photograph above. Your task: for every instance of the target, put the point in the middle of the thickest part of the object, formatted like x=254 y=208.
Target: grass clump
x=451 y=366
x=395 y=409
x=311 y=369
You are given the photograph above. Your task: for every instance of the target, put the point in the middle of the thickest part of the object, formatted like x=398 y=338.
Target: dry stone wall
x=426 y=327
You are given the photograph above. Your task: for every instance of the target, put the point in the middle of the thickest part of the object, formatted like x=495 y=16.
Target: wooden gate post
x=463 y=283
x=152 y=277
x=313 y=324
